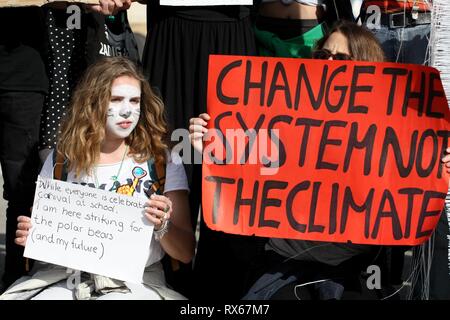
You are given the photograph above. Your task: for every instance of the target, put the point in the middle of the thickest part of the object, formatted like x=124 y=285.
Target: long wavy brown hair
x=363 y=45
x=83 y=131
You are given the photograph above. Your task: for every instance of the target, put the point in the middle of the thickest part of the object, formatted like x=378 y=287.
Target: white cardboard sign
x=89 y=229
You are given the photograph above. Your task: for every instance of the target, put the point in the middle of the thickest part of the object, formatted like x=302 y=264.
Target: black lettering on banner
x=392 y=214
x=217 y=192
x=261 y=85
x=411 y=192
x=343 y=89
x=324 y=141
x=419 y=95
x=365 y=207
x=333 y=208
x=219 y=91
x=308 y=123
x=226 y=145
x=312 y=227
x=391 y=139
x=281 y=150
x=421 y=171
x=274 y=87
x=270 y=202
x=354 y=89
x=250 y=142
x=252 y=202
x=395 y=72
x=425 y=214
x=304 y=185
x=433 y=94
x=366 y=143
x=303 y=77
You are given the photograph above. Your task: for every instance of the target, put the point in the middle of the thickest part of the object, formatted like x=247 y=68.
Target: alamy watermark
x=374 y=280
x=235 y=146
x=332 y=289
x=74 y=19
x=373 y=20
x=74 y=280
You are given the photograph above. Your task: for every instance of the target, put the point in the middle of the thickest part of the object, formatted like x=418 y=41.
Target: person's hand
x=446 y=160
x=23 y=225
x=110 y=7
x=158 y=209
x=197 y=129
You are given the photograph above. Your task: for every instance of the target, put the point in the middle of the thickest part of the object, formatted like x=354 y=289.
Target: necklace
x=113 y=178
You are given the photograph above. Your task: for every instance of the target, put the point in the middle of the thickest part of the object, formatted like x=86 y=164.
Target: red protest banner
x=325 y=150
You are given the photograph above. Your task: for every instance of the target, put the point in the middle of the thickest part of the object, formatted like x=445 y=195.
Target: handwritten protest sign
x=327 y=150
x=204 y=2
x=27 y=3
x=89 y=229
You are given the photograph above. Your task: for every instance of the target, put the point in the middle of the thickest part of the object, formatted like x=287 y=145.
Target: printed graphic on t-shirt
x=128 y=189
x=129 y=186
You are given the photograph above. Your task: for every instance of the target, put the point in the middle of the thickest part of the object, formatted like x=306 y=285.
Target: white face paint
x=123 y=111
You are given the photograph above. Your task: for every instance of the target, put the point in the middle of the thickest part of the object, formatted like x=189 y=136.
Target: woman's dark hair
x=363 y=45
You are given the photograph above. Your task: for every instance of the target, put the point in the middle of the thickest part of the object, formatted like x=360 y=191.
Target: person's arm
x=179 y=241
x=57 y=5
x=110 y=7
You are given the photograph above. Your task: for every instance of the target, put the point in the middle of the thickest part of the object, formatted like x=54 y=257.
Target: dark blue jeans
x=19 y=133
x=405 y=45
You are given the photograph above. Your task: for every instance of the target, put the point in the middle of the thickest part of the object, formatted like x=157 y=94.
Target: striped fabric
x=390 y=6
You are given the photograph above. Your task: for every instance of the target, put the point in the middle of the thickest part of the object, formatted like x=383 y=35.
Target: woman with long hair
x=115 y=126
x=287 y=265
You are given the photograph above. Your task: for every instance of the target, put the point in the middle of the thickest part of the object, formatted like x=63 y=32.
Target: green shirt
x=299 y=47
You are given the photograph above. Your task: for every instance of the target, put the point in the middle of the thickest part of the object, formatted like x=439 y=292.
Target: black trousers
x=176 y=63
x=19 y=133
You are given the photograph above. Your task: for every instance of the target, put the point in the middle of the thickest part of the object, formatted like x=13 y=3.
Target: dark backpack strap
x=161 y=174
x=59 y=166
x=158 y=176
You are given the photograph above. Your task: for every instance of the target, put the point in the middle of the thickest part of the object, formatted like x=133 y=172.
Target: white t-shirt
x=130 y=171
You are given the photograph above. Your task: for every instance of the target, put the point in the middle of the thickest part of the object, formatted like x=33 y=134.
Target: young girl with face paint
x=115 y=126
